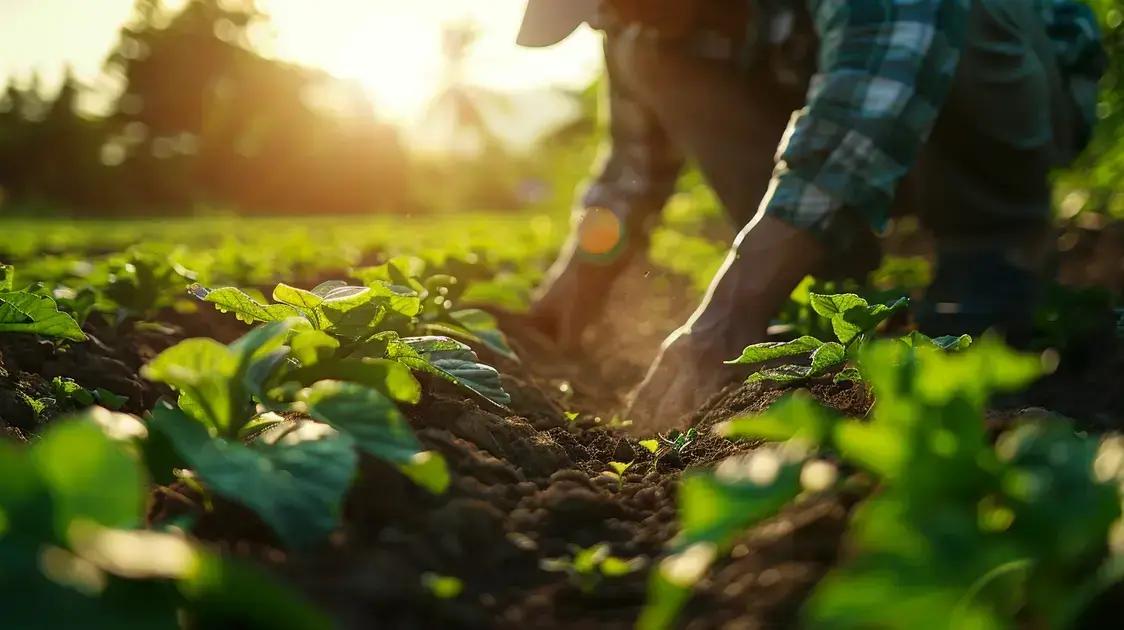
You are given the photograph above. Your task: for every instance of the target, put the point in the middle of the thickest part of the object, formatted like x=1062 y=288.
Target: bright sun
x=396 y=57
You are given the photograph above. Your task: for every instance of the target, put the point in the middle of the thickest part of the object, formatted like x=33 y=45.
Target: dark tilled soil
x=523 y=492
x=111 y=360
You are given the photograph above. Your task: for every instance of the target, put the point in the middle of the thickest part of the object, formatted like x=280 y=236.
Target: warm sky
x=392 y=46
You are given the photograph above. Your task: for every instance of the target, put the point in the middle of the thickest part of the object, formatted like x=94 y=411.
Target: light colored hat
x=547 y=22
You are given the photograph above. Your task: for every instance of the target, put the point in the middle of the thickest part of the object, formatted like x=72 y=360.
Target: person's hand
x=767 y=261
x=689 y=370
x=580 y=281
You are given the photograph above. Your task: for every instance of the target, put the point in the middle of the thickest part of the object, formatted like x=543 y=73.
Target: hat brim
x=547 y=22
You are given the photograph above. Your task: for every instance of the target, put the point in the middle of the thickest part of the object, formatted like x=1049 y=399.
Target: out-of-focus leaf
x=715 y=507
x=89 y=477
x=796 y=416
x=296 y=485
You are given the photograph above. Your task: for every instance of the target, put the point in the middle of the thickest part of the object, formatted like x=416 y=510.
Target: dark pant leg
x=982 y=179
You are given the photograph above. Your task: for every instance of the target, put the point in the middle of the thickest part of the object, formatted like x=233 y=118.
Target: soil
x=111 y=359
x=527 y=486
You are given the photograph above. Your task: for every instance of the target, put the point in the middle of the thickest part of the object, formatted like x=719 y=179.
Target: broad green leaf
x=244 y=307
x=666 y=597
x=22 y=312
x=483 y=325
x=216 y=382
x=353 y=312
x=826 y=358
x=7 y=278
x=313 y=346
x=90 y=477
x=848 y=374
x=25 y=505
x=876 y=448
x=784 y=374
x=760 y=352
x=306 y=303
x=796 y=416
x=978 y=372
x=325 y=288
x=831 y=306
x=453 y=361
x=204 y=371
x=367 y=416
x=402 y=300
x=218 y=591
x=863 y=319
x=296 y=485
x=298 y=298
x=391 y=378
x=949 y=343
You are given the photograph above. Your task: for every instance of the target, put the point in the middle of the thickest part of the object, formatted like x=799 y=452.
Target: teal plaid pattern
x=885 y=69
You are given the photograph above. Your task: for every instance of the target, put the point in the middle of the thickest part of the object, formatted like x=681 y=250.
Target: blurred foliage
x=1092 y=184
x=203 y=120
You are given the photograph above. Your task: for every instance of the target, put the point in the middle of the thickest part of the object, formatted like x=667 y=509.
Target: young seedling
x=680 y=441
x=293 y=476
x=616 y=471
x=588 y=568
x=340 y=325
x=853 y=321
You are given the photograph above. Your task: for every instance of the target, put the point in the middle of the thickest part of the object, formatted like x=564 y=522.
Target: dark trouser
x=980 y=184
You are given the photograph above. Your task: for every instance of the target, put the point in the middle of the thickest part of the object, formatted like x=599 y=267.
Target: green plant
x=1022 y=524
x=616 y=472
x=679 y=441
x=67 y=391
x=72 y=554
x=346 y=323
x=140 y=282
x=852 y=320
x=293 y=475
x=26 y=312
x=588 y=568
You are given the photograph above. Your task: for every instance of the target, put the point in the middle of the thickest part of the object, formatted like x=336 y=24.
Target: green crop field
x=233 y=421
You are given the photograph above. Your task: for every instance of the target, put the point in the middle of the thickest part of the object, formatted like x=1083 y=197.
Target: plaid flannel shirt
x=884 y=71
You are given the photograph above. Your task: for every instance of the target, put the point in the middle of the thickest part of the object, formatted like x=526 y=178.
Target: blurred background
x=185 y=107
x=150 y=107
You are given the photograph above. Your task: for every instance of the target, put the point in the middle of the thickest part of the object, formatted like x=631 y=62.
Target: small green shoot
x=616 y=472
x=442 y=586
x=588 y=568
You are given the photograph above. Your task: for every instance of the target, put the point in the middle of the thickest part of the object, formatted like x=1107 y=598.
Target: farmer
x=815 y=121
